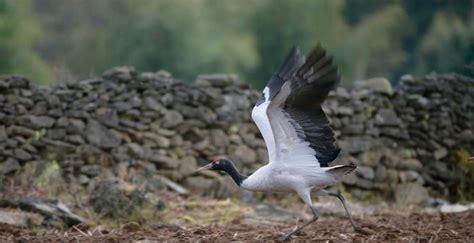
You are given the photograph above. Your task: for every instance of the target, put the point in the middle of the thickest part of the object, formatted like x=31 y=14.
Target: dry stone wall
x=152 y=130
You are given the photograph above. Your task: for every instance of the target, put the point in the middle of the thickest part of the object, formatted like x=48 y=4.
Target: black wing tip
x=324 y=160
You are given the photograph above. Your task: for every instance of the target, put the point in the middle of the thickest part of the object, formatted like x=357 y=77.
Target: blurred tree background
x=51 y=40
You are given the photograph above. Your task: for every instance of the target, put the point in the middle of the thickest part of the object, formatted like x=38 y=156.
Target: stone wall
x=152 y=130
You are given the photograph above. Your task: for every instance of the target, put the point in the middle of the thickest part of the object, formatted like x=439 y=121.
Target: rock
x=57 y=133
x=77 y=126
x=3 y=134
x=52 y=210
x=454 y=208
x=111 y=200
x=20 y=218
x=380 y=85
x=164 y=161
x=100 y=136
x=365 y=172
x=243 y=154
x=107 y=117
x=355 y=145
x=200 y=184
x=120 y=73
x=217 y=80
x=18 y=82
x=48 y=176
x=386 y=117
x=407 y=78
x=409 y=164
x=440 y=153
x=410 y=176
x=37 y=122
x=22 y=155
x=410 y=193
x=172 y=119
x=152 y=104
x=9 y=166
x=3 y=85
x=130 y=227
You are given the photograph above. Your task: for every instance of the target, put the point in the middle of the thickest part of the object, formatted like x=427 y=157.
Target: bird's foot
x=285 y=237
x=359 y=230
x=288 y=236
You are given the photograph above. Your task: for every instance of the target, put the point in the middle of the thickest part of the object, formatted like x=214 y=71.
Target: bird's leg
x=357 y=228
x=315 y=217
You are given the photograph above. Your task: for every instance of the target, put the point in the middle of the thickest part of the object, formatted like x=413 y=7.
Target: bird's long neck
x=234 y=173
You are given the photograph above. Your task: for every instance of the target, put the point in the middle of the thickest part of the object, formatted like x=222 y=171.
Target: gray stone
x=218 y=80
x=410 y=176
x=3 y=85
x=100 y=136
x=76 y=139
x=109 y=199
x=440 y=153
x=57 y=133
x=9 y=166
x=91 y=170
x=410 y=193
x=353 y=129
x=200 y=184
x=160 y=141
x=356 y=144
x=164 y=161
x=167 y=99
x=152 y=104
x=365 y=172
x=107 y=117
x=19 y=130
x=22 y=155
x=76 y=126
x=380 y=85
x=38 y=122
x=243 y=154
x=120 y=73
x=172 y=119
x=380 y=173
x=3 y=134
x=409 y=164
x=136 y=150
x=20 y=218
x=386 y=117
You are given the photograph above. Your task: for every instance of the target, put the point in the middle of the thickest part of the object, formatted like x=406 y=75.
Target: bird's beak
x=206 y=167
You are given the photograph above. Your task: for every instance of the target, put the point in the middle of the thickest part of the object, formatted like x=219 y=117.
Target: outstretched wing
x=289 y=113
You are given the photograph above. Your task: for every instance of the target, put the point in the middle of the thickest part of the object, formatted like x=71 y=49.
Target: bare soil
x=398 y=227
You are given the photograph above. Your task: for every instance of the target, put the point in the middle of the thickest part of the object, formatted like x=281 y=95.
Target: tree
x=18 y=33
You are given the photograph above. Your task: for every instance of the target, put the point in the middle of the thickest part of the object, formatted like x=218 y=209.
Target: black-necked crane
x=299 y=139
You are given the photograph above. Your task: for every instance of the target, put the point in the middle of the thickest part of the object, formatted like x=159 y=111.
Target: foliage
x=367 y=38
x=18 y=32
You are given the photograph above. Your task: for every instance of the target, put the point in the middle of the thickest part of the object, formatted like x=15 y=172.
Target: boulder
x=410 y=193
x=100 y=136
x=380 y=85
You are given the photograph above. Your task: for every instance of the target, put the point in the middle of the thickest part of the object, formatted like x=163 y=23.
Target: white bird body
x=277 y=178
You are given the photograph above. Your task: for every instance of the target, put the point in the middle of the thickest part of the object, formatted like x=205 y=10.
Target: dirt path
x=416 y=227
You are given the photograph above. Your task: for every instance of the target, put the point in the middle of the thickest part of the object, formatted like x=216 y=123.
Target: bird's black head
x=226 y=166
x=220 y=165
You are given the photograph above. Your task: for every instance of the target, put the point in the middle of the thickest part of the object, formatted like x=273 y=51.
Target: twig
x=80 y=231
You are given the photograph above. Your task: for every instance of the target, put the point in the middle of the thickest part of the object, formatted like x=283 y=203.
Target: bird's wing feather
x=259 y=113
x=295 y=128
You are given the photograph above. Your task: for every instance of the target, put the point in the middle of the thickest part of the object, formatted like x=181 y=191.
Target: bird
x=297 y=133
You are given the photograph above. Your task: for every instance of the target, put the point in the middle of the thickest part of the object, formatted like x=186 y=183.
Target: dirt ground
x=414 y=227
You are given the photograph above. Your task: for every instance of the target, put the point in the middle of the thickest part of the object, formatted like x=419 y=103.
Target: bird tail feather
x=340 y=170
